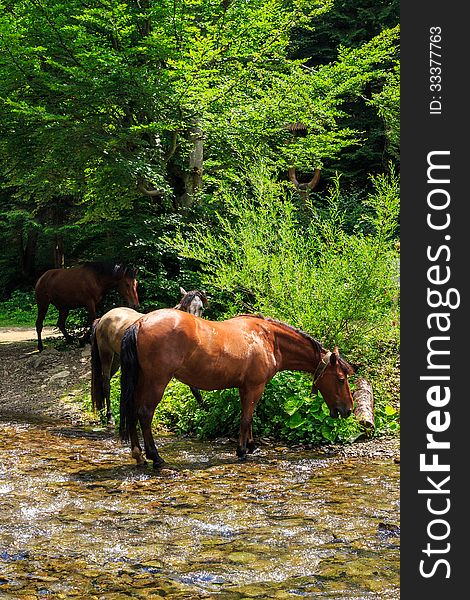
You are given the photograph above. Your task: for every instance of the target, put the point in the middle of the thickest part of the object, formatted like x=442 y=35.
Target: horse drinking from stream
x=106 y=345
x=244 y=352
x=79 y=287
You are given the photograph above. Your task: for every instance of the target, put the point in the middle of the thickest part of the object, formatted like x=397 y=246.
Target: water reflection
x=79 y=519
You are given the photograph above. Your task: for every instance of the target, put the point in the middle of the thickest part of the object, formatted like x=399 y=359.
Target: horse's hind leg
x=249 y=399
x=109 y=369
x=149 y=401
x=63 y=314
x=136 y=449
x=42 y=311
x=91 y=310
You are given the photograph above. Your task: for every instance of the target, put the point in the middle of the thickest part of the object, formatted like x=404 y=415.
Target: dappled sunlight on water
x=78 y=519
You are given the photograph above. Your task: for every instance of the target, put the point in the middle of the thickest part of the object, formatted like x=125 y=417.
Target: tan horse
x=106 y=346
x=244 y=352
x=83 y=287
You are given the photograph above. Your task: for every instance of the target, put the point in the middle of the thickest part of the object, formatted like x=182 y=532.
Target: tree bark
x=364 y=403
x=29 y=255
x=59 y=261
x=193 y=177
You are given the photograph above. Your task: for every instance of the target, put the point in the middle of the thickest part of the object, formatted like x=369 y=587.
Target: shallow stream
x=78 y=519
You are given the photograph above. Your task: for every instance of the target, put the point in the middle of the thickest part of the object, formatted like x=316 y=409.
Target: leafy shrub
x=333 y=284
x=20 y=310
x=286 y=412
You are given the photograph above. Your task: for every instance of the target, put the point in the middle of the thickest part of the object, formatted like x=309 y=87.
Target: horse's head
x=127 y=287
x=331 y=378
x=193 y=302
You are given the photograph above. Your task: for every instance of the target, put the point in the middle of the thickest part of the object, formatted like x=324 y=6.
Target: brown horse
x=106 y=345
x=80 y=287
x=244 y=352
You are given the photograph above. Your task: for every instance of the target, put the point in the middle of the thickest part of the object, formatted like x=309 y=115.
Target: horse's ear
x=182 y=291
x=334 y=357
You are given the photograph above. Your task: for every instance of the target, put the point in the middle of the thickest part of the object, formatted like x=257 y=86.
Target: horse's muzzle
x=336 y=412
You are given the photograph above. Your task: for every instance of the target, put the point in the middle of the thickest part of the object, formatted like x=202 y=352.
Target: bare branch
x=304 y=188
x=152 y=192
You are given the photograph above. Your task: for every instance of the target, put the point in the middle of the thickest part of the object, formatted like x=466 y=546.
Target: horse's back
x=205 y=354
x=113 y=325
x=159 y=324
x=66 y=288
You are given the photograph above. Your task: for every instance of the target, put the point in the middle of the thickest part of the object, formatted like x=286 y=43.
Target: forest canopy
x=120 y=118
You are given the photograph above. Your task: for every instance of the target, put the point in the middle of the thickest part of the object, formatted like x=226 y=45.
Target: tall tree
x=105 y=104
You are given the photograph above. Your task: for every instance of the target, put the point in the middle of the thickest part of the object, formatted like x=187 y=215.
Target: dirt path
x=41 y=387
x=22 y=334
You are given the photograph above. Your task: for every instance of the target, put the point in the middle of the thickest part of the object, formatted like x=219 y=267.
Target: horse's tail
x=97 y=391
x=129 y=374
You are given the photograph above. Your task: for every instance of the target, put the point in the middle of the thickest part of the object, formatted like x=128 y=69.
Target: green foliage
x=97 y=100
x=333 y=284
x=348 y=23
x=20 y=310
x=387 y=104
x=287 y=412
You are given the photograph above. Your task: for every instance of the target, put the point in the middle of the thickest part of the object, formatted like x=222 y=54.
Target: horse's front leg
x=251 y=445
x=42 y=311
x=197 y=394
x=249 y=398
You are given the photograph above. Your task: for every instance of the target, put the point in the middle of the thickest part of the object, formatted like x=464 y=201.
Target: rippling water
x=78 y=519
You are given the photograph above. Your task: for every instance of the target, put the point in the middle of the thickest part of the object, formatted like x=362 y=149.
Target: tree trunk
x=29 y=255
x=364 y=403
x=193 y=177
x=59 y=262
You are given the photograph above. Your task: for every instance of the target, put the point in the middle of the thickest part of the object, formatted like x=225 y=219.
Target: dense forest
x=246 y=147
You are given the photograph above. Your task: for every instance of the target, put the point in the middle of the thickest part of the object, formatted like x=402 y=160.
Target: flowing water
x=78 y=519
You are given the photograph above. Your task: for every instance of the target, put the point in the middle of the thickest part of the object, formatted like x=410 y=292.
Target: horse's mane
x=111 y=268
x=345 y=366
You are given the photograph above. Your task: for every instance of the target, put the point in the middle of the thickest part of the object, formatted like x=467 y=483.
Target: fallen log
x=364 y=403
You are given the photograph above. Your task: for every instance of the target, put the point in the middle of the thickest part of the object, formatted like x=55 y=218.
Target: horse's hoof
x=142 y=463
x=241 y=452
x=158 y=464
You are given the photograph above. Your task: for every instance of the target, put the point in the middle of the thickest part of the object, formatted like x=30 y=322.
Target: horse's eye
x=341 y=379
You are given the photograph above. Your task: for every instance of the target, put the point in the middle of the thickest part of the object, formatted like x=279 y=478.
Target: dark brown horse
x=83 y=287
x=244 y=352
x=106 y=346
